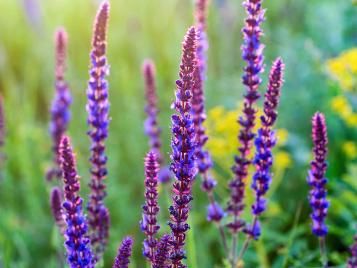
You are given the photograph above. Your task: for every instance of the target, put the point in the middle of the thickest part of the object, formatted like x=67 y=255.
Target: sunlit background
x=318 y=42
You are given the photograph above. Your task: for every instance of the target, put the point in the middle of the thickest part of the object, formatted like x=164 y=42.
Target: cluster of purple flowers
x=252 y=53
x=183 y=149
x=77 y=242
x=316 y=177
x=264 y=143
x=86 y=237
x=98 y=119
x=151 y=208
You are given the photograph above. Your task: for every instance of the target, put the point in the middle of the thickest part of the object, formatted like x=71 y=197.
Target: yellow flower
x=351 y=120
x=282 y=135
x=223 y=129
x=282 y=160
x=341 y=106
x=344 y=68
x=350 y=149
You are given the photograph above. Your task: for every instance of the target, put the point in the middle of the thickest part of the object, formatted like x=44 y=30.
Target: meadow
x=318 y=42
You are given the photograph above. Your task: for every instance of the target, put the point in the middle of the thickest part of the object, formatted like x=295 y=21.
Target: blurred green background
x=307 y=34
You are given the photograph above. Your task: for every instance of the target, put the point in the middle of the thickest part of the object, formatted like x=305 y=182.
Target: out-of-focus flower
x=98 y=120
x=183 y=150
x=282 y=136
x=56 y=207
x=282 y=160
x=165 y=174
x=60 y=113
x=350 y=149
x=344 y=69
x=33 y=13
x=152 y=129
x=124 y=253
x=77 y=242
x=343 y=108
x=222 y=130
x=214 y=212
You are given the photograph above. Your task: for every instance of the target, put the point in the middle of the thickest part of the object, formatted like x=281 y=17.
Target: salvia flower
x=60 y=113
x=316 y=178
x=265 y=141
x=124 y=253
x=151 y=208
x=77 y=243
x=183 y=149
x=152 y=129
x=98 y=120
x=252 y=53
x=352 y=262
x=56 y=207
x=162 y=253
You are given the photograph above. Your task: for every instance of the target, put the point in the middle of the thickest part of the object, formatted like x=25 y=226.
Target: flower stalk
x=149 y=224
x=183 y=150
x=77 y=242
x=98 y=120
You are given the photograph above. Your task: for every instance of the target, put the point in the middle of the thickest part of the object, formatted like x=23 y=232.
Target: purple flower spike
x=152 y=129
x=56 y=207
x=352 y=262
x=60 y=114
x=77 y=242
x=316 y=178
x=162 y=253
x=151 y=208
x=98 y=120
x=264 y=143
x=183 y=149
x=252 y=53
x=124 y=253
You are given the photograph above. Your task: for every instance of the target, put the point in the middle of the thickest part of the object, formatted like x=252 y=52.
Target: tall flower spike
x=204 y=162
x=98 y=120
x=124 y=253
x=162 y=253
x=264 y=143
x=77 y=243
x=252 y=53
x=60 y=114
x=352 y=262
x=151 y=208
x=316 y=178
x=152 y=130
x=183 y=149
x=56 y=207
